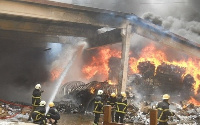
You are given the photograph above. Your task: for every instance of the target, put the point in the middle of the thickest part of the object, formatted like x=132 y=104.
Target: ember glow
x=99 y=63
x=194 y=101
x=111 y=83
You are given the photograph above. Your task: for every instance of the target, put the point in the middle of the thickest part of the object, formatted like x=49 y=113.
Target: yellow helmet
x=51 y=104
x=113 y=94
x=123 y=94
x=166 y=96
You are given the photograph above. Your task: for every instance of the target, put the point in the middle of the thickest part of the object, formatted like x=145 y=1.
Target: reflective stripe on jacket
x=36 y=97
x=39 y=113
x=112 y=101
x=121 y=106
x=163 y=111
x=98 y=107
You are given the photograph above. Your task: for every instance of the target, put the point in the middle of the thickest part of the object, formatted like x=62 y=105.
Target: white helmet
x=42 y=103
x=38 y=86
x=100 y=92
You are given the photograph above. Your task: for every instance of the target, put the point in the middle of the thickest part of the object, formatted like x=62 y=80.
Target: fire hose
x=15 y=104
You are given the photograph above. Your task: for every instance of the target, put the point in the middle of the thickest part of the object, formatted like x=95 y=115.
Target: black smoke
x=21 y=67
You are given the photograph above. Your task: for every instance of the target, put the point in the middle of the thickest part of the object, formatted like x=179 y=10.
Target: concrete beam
x=109 y=37
x=49 y=11
x=167 y=38
x=49 y=28
x=26 y=37
x=54 y=11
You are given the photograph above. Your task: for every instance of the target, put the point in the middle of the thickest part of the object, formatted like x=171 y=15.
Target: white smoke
x=70 y=46
x=188 y=29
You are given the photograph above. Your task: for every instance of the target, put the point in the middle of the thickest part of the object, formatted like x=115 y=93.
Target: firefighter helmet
x=38 y=86
x=166 y=96
x=100 y=92
x=42 y=103
x=113 y=94
x=51 y=104
x=123 y=94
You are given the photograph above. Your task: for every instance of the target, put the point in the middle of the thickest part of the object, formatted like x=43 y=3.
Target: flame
x=55 y=73
x=111 y=83
x=194 y=101
x=92 y=89
x=149 y=53
x=157 y=57
x=99 y=63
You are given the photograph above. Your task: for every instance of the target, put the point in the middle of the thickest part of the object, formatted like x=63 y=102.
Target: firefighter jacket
x=39 y=113
x=53 y=113
x=121 y=105
x=163 y=111
x=111 y=101
x=98 y=105
x=36 y=97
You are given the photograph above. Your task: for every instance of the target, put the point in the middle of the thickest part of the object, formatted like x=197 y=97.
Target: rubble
x=187 y=116
x=78 y=97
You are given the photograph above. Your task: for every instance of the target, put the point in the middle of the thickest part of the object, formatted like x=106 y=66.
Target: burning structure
x=153 y=67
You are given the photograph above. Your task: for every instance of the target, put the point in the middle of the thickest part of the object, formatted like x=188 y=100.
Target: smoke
x=188 y=29
x=21 y=67
x=63 y=65
x=179 y=26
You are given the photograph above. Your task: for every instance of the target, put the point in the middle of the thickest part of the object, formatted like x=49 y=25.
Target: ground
x=66 y=119
x=76 y=119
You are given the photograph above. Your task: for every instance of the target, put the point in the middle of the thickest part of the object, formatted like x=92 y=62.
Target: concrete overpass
x=44 y=21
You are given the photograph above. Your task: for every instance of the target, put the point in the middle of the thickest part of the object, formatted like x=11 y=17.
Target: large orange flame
x=99 y=63
x=157 y=57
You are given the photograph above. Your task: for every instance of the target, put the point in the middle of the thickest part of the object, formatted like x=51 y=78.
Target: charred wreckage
x=78 y=97
x=143 y=91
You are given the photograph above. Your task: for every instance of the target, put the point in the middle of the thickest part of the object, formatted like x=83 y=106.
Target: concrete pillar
x=124 y=59
x=153 y=117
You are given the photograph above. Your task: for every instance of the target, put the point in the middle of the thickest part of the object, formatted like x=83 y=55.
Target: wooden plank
x=153 y=116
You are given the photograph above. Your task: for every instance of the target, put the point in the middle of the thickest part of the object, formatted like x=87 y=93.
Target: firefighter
x=98 y=107
x=36 y=99
x=121 y=107
x=111 y=101
x=38 y=115
x=163 y=110
x=53 y=115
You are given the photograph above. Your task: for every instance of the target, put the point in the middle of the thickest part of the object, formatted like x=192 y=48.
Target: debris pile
x=14 y=111
x=140 y=113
